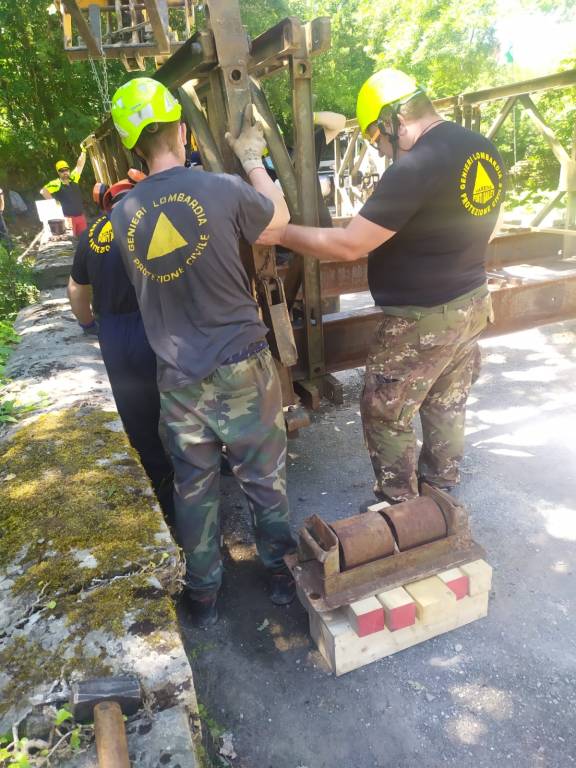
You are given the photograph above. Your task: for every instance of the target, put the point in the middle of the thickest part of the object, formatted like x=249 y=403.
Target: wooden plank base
x=344 y=651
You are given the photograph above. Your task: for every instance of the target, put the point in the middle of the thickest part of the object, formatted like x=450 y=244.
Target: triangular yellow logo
x=483 y=187
x=165 y=239
x=106 y=235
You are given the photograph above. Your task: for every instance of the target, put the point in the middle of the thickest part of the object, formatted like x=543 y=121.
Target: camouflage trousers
x=421 y=360
x=239 y=406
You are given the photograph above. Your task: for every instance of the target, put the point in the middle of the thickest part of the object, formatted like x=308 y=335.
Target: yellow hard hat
x=385 y=87
x=61 y=164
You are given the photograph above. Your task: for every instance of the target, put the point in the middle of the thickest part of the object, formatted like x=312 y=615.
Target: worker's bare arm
x=79 y=296
x=80 y=163
x=45 y=194
x=262 y=182
x=338 y=244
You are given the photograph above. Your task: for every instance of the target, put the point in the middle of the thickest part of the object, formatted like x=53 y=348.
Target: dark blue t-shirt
x=442 y=199
x=98 y=262
x=179 y=232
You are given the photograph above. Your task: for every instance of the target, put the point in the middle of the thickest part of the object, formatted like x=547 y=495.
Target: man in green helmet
x=179 y=232
x=425 y=228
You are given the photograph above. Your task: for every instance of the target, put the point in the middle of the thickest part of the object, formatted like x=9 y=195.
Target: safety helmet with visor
x=385 y=88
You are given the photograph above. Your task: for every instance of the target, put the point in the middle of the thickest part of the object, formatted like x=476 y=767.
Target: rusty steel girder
x=518 y=304
x=516 y=247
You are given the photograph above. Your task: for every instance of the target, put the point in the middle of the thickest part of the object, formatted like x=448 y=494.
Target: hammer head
x=85 y=694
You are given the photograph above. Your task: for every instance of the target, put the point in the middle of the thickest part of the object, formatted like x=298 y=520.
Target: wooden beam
x=83 y=29
x=158 y=13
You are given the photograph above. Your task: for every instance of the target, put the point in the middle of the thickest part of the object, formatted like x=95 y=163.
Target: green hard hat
x=140 y=102
x=388 y=86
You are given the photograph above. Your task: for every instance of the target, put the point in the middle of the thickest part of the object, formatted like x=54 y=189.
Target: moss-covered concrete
x=87 y=563
x=128 y=625
x=75 y=505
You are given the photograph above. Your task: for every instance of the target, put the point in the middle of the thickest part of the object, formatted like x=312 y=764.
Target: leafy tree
x=47 y=104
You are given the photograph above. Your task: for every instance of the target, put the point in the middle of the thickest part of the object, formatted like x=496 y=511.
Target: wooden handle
x=111 y=744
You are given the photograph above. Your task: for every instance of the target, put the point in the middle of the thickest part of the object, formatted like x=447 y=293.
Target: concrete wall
x=87 y=563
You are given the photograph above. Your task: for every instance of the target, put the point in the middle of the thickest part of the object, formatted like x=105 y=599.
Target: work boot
x=445 y=488
x=381 y=496
x=203 y=611
x=282 y=587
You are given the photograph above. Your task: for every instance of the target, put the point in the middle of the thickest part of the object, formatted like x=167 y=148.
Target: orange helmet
x=114 y=191
x=135 y=175
x=98 y=191
x=104 y=196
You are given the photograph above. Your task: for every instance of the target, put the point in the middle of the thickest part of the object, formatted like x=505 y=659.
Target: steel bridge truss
x=215 y=74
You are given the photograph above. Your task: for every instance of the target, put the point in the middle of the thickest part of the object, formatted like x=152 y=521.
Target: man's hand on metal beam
x=250 y=144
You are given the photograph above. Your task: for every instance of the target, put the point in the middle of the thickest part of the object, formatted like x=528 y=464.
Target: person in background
x=5 y=238
x=66 y=190
x=104 y=303
x=327 y=127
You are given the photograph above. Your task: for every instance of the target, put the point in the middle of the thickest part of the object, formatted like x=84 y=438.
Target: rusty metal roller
x=415 y=522
x=363 y=538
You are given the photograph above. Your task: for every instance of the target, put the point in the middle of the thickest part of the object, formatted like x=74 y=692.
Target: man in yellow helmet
x=178 y=231
x=425 y=228
x=66 y=190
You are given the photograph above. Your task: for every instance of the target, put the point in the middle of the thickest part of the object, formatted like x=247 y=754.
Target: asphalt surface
x=499 y=692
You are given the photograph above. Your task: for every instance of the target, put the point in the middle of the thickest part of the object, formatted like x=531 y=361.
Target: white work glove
x=250 y=144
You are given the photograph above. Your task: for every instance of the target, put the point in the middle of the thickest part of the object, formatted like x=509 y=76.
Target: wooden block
x=366 y=616
x=479 y=576
x=399 y=608
x=345 y=651
x=434 y=600
x=455 y=580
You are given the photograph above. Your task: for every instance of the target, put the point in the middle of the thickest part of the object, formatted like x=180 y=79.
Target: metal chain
x=103 y=88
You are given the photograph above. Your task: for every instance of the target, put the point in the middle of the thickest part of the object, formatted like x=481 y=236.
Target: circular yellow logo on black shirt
x=100 y=237
x=481 y=184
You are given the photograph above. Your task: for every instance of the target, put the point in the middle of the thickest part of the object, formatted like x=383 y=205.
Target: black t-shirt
x=70 y=198
x=442 y=199
x=179 y=233
x=98 y=262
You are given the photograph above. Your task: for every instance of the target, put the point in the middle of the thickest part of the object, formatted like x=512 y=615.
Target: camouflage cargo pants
x=421 y=360
x=240 y=406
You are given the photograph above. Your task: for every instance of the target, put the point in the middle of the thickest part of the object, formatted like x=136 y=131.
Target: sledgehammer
x=106 y=700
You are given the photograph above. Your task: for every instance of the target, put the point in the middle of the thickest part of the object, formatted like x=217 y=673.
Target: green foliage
x=62 y=715
x=449 y=46
x=8 y=337
x=18 y=752
x=16 y=290
x=16 y=284
x=47 y=104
